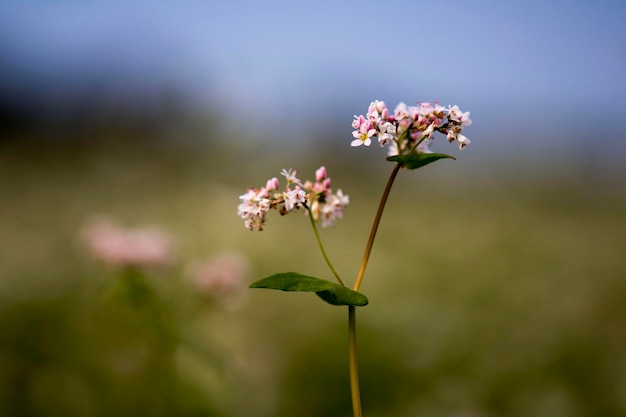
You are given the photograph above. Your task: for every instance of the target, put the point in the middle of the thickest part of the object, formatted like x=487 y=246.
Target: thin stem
x=321 y=245
x=379 y=214
x=354 y=367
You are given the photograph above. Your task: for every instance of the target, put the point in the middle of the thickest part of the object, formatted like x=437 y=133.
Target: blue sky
x=527 y=66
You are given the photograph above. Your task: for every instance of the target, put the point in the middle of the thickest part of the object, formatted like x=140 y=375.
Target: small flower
x=363 y=135
x=462 y=141
x=451 y=135
x=401 y=112
x=376 y=110
x=387 y=133
x=342 y=199
x=290 y=175
x=332 y=209
x=294 y=199
x=456 y=115
x=429 y=130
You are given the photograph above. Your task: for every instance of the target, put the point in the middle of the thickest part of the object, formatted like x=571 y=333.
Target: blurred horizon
x=535 y=75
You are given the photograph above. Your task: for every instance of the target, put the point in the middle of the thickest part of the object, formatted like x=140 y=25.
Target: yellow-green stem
x=354 y=368
x=321 y=245
x=379 y=214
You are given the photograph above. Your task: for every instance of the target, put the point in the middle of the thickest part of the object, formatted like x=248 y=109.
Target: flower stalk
x=379 y=215
x=408 y=133
x=353 y=364
x=321 y=246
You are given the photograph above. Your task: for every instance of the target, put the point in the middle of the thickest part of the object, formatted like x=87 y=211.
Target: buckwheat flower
x=294 y=199
x=342 y=199
x=439 y=111
x=124 y=247
x=426 y=109
x=457 y=116
x=332 y=209
x=290 y=175
x=451 y=136
x=363 y=135
x=410 y=126
x=377 y=106
x=376 y=110
x=253 y=208
x=429 y=130
x=401 y=111
x=255 y=204
x=462 y=141
x=387 y=132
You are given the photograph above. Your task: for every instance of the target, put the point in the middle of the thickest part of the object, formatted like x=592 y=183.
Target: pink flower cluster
x=316 y=196
x=220 y=277
x=410 y=128
x=123 y=247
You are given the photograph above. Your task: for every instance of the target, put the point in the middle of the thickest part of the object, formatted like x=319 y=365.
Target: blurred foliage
x=499 y=295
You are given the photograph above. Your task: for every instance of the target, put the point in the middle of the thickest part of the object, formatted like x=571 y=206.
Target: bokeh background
x=497 y=284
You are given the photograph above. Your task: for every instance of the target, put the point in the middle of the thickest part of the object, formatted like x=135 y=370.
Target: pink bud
x=272 y=184
x=320 y=174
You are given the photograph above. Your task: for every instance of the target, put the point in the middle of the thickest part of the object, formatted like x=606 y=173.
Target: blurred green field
x=504 y=297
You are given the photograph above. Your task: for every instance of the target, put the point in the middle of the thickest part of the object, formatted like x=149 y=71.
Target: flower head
x=253 y=208
x=123 y=247
x=316 y=196
x=411 y=128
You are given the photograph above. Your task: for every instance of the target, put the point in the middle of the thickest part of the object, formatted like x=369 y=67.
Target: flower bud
x=320 y=174
x=272 y=184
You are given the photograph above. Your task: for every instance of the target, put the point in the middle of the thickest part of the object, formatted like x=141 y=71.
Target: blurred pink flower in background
x=121 y=247
x=221 y=276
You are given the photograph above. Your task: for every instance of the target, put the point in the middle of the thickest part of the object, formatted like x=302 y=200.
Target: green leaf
x=331 y=292
x=418 y=160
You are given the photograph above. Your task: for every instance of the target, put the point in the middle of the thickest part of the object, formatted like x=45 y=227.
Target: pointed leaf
x=328 y=291
x=418 y=160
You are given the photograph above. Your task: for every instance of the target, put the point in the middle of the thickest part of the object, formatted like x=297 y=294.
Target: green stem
x=354 y=367
x=379 y=214
x=321 y=245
